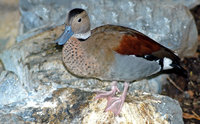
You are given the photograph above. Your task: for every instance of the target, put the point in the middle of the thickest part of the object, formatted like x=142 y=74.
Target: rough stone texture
x=170 y=24
x=9 y=23
x=41 y=80
x=138 y=109
x=189 y=3
x=11 y=89
x=67 y=105
x=11 y=119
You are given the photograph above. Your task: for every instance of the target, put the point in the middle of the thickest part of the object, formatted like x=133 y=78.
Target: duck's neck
x=83 y=36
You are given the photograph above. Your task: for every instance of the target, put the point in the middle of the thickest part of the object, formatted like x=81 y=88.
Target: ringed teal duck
x=111 y=53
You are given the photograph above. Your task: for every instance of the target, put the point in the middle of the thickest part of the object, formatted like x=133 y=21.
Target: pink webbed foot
x=107 y=94
x=115 y=104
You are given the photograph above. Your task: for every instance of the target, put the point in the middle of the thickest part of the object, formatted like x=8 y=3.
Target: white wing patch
x=166 y=63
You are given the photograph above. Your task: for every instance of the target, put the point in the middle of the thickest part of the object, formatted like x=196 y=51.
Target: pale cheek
x=75 y=27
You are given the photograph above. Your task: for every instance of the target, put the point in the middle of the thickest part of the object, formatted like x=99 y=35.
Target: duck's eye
x=79 y=20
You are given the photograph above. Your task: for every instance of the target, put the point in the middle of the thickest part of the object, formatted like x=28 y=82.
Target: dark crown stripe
x=74 y=12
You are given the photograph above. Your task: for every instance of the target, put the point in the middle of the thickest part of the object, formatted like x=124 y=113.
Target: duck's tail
x=178 y=69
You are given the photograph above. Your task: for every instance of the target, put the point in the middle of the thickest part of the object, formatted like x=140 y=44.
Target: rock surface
x=169 y=23
x=11 y=89
x=140 y=108
x=189 y=3
x=11 y=119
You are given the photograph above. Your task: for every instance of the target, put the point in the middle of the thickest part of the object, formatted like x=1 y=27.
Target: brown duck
x=111 y=53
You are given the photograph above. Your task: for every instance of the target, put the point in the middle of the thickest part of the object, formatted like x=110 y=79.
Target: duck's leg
x=115 y=104
x=107 y=94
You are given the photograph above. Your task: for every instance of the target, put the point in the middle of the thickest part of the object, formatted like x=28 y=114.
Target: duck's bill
x=64 y=37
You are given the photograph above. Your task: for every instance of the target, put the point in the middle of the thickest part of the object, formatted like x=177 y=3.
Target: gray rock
x=189 y=3
x=11 y=119
x=71 y=105
x=11 y=89
x=169 y=23
x=139 y=108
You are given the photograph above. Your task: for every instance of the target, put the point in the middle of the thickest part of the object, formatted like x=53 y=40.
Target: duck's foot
x=115 y=104
x=106 y=94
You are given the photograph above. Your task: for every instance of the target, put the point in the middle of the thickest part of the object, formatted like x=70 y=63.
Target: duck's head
x=76 y=25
